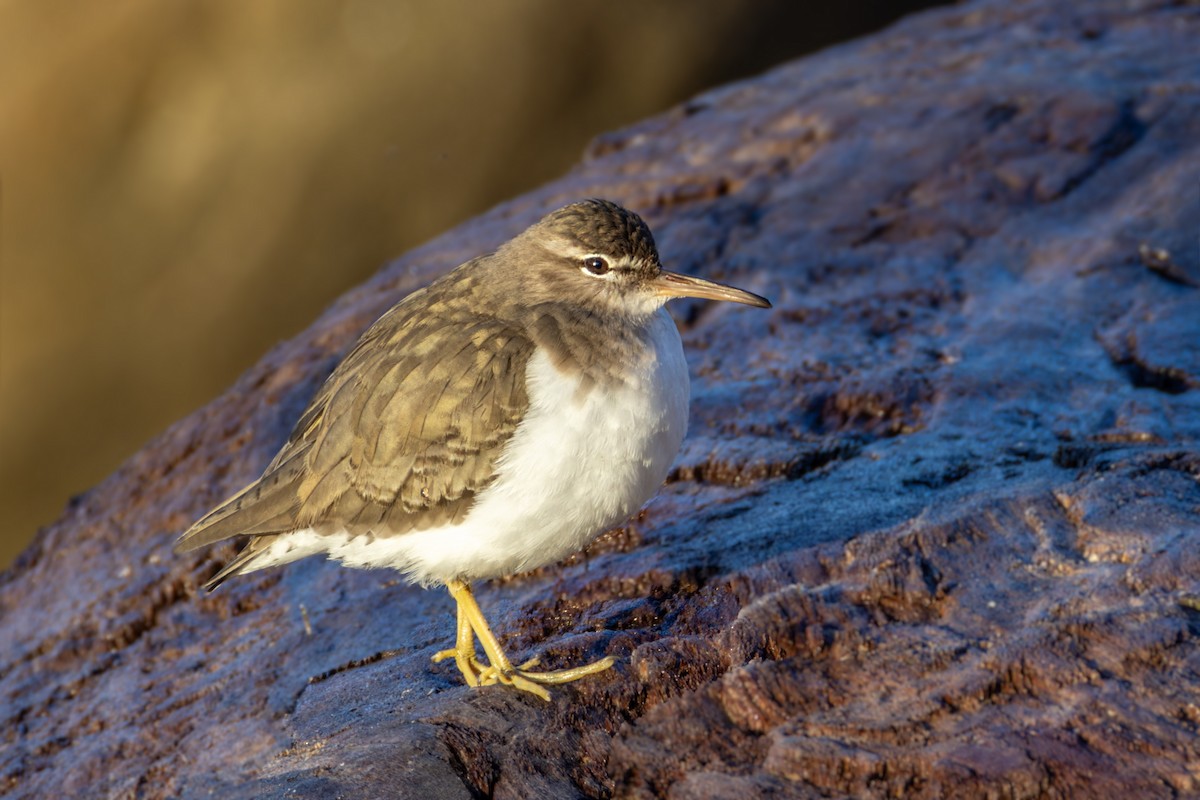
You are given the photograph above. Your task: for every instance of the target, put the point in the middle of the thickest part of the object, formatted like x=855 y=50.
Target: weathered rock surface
x=935 y=532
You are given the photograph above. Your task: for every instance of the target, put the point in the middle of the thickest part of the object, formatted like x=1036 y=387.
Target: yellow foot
x=524 y=679
x=474 y=668
x=492 y=675
x=471 y=624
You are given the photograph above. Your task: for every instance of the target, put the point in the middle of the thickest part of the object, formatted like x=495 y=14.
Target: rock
x=934 y=533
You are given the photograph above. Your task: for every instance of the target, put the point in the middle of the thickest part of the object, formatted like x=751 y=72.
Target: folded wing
x=401 y=437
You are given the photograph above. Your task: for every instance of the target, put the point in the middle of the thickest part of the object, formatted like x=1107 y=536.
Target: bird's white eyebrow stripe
x=615 y=264
x=570 y=248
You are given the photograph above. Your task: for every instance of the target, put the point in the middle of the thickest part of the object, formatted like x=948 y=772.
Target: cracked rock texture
x=935 y=531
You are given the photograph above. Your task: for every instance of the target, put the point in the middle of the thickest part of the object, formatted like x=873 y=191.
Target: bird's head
x=603 y=257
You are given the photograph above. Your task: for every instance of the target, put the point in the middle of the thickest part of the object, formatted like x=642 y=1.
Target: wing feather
x=402 y=436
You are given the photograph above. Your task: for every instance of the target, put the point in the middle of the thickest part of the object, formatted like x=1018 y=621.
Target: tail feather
x=269 y=550
x=241 y=563
x=269 y=505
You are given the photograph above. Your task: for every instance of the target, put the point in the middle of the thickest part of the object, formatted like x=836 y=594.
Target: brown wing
x=402 y=436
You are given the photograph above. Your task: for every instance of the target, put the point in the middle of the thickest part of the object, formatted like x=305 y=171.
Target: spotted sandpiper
x=493 y=422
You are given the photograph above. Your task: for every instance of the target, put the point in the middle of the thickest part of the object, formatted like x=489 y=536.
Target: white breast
x=579 y=463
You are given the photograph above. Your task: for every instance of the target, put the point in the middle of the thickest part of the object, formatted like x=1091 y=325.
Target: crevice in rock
x=1122 y=351
x=717 y=471
x=1126 y=131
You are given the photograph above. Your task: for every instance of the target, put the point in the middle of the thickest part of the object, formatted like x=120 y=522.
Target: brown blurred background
x=184 y=183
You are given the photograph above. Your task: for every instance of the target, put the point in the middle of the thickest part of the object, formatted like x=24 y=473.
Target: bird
x=491 y=423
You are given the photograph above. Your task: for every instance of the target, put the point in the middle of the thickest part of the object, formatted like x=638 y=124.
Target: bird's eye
x=595 y=265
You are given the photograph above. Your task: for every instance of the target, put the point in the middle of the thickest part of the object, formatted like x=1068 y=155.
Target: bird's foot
x=523 y=677
x=477 y=673
x=469 y=665
x=472 y=625
x=492 y=675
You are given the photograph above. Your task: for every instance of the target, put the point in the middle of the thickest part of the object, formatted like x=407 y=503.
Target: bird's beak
x=672 y=284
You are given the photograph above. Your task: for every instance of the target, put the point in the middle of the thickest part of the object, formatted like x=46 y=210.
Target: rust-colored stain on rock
x=935 y=531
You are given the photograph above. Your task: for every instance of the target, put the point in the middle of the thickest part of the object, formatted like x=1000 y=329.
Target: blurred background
x=184 y=183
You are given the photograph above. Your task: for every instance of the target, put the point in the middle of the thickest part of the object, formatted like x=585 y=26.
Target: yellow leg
x=463 y=651
x=472 y=624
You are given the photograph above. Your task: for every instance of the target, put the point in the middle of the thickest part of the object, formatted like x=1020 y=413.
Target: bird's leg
x=500 y=669
x=463 y=651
